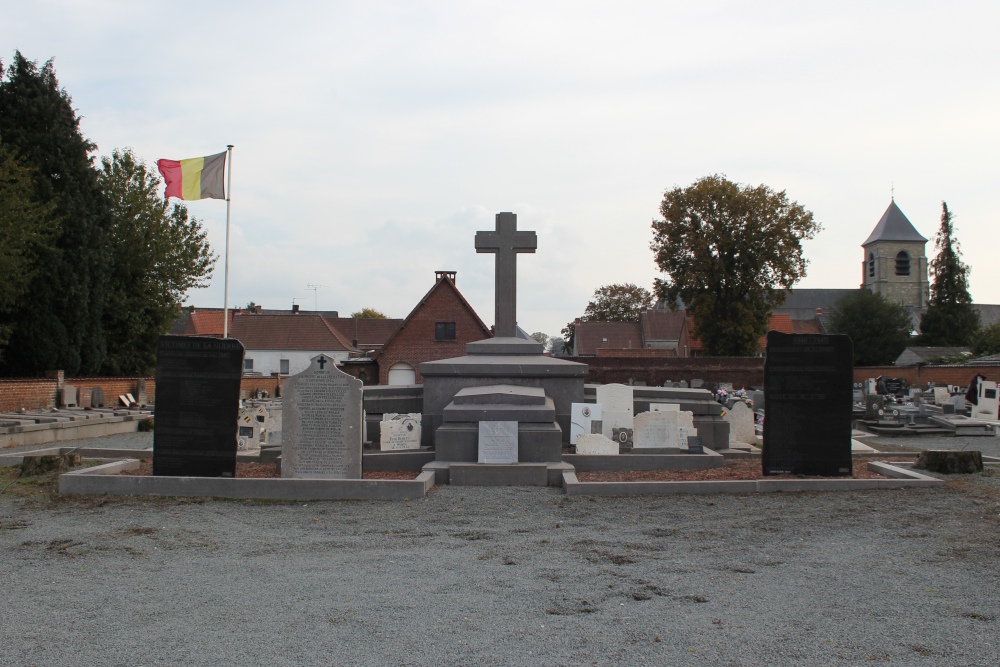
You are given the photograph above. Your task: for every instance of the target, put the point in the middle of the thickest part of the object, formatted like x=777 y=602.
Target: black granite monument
x=197 y=406
x=808 y=382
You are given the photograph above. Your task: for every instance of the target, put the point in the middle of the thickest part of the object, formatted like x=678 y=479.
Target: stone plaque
x=197 y=405
x=399 y=434
x=497 y=442
x=96 y=397
x=941 y=395
x=582 y=418
x=321 y=423
x=808 y=380
x=663 y=429
x=588 y=443
x=83 y=397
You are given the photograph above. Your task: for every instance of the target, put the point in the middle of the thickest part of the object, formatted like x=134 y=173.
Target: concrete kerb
x=901 y=478
x=104 y=479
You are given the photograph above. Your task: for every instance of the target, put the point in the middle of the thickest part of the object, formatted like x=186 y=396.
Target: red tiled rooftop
x=286 y=332
x=590 y=336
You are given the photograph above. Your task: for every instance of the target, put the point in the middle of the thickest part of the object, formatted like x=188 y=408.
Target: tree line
x=93 y=261
x=728 y=253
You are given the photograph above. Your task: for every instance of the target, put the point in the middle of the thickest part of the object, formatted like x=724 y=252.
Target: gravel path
x=511 y=576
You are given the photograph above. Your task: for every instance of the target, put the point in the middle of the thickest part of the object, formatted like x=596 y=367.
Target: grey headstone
x=321 y=423
x=140 y=392
x=948 y=408
x=682 y=384
x=623 y=436
x=398 y=434
x=497 y=442
x=694 y=445
x=697 y=383
x=758 y=400
x=96 y=397
x=67 y=398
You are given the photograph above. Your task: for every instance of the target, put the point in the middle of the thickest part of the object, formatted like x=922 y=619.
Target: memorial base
x=498 y=474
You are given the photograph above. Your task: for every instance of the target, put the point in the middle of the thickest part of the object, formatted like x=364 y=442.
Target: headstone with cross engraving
x=321 y=423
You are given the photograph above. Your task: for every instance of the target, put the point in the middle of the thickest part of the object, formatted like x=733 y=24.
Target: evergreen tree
x=58 y=324
x=951 y=318
x=157 y=255
x=26 y=228
x=879 y=328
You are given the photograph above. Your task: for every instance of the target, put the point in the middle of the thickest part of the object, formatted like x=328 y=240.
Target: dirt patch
x=270 y=470
x=734 y=471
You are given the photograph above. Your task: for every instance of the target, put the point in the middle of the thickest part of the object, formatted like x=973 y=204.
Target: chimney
x=258 y=309
x=438 y=275
x=295 y=308
x=819 y=311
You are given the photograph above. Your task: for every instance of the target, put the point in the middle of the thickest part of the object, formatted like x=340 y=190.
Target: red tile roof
x=205 y=322
x=303 y=331
x=368 y=332
x=662 y=325
x=591 y=336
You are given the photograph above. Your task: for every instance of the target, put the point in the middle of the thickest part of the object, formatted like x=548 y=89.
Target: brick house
x=438 y=327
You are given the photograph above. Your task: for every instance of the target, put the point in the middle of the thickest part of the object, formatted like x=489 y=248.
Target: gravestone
x=741 y=424
x=874 y=407
x=663 y=429
x=400 y=433
x=695 y=445
x=197 y=405
x=67 y=397
x=682 y=384
x=941 y=395
x=595 y=443
x=321 y=423
x=616 y=407
x=988 y=404
x=698 y=383
x=583 y=418
x=140 y=392
x=758 y=400
x=497 y=442
x=808 y=382
x=96 y=397
x=84 y=396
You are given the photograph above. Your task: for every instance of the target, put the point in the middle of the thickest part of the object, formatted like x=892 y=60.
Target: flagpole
x=229 y=206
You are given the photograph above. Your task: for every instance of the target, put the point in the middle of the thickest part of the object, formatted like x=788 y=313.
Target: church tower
x=895 y=263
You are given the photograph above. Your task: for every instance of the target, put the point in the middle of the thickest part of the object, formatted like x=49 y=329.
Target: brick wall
x=27 y=393
x=114 y=387
x=924 y=375
x=655 y=370
x=269 y=383
x=414 y=343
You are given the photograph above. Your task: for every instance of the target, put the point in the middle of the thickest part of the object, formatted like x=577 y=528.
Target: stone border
x=903 y=478
x=104 y=479
x=642 y=461
x=63 y=431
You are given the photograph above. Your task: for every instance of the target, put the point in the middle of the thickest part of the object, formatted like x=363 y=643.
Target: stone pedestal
x=499 y=361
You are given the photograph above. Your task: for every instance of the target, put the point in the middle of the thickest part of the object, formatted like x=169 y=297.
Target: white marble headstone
x=582 y=415
x=595 y=443
x=941 y=395
x=669 y=429
x=741 y=424
x=399 y=434
x=616 y=402
x=988 y=403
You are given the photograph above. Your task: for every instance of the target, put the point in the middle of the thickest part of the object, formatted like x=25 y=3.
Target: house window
x=871 y=265
x=283 y=366
x=903 y=263
x=444 y=331
x=247 y=365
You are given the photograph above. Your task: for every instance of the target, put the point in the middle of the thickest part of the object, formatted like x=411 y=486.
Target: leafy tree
x=158 y=253
x=620 y=302
x=544 y=339
x=369 y=314
x=558 y=346
x=726 y=249
x=951 y=318
x=26 y=228
x=60 y=325
x=879 y=328
x=986 y=340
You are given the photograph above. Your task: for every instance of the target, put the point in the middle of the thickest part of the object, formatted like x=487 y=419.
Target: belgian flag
x=195 y=178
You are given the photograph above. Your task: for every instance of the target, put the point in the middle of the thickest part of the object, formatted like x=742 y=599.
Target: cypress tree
x=58 y=324
x=951 y=318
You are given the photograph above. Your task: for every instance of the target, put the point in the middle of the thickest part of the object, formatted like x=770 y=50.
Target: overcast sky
x=373 y=139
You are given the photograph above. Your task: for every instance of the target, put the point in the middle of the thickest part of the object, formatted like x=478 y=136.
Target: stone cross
x=505 y=243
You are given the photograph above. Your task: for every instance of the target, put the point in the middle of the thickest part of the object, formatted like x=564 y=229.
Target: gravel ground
x=509 y=576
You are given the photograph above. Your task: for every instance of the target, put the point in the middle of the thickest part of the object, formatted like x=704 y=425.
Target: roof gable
x=444 y=282
x=894 y=226
x=662 y=325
